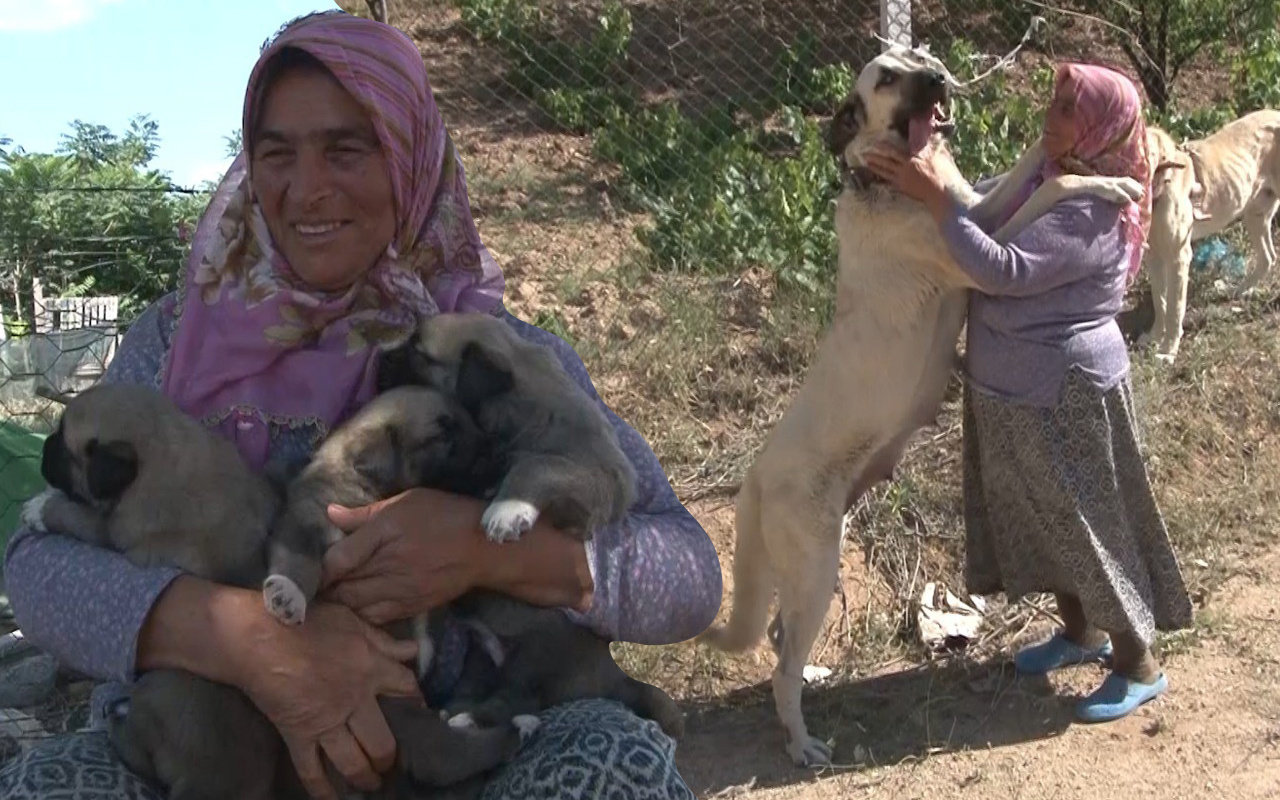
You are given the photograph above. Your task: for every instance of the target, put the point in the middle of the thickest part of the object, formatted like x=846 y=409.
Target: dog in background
x=1200 y=188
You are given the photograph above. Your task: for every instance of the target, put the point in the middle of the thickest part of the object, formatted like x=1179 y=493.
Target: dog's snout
x=936 y=78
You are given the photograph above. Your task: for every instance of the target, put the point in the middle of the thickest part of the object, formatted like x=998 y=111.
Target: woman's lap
x=593 y=748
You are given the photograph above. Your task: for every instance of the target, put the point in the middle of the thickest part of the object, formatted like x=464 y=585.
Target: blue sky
x=183 y=62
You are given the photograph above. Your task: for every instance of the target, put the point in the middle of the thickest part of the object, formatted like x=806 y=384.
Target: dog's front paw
x=507 y=520
x=809 y=752
x=284 y=600
x=33 y=511
x=527 y=724
x=463 y=721
x=1123 y=190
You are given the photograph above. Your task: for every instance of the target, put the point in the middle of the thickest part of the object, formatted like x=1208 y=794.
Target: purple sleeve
x=1048 y=253
x=81 y=603
x=657 y=575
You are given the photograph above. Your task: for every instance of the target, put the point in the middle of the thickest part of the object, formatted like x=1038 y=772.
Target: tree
x=1160 y=37
x=91 y=218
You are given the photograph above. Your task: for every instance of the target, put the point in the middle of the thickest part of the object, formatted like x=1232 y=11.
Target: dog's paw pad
x=507 y=520
x=463 y=721
x=33 y=511
x=527 y=724
x=284 y=600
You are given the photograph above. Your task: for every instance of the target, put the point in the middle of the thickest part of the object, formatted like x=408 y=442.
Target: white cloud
x=47 y=15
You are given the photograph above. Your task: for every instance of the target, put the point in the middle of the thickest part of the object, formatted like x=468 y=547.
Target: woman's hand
x=404 y=555
x=915 y=176
x=421 y=549
x=318 y=684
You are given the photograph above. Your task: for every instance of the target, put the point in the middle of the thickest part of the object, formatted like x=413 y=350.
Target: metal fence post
x=895 y=21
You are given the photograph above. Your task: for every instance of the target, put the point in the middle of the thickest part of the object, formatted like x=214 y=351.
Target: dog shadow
x=736 y=739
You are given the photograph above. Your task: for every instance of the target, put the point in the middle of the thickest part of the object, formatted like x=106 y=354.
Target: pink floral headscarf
x=1111 y=139
x=255 y=344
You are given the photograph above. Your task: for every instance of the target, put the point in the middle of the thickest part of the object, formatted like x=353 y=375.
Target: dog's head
x=95 y=454
x=469 y=356
x=421 y=437
x=902 y=95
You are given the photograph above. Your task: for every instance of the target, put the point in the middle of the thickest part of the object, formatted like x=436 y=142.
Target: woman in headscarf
x=345 y=220
x=1056 y=493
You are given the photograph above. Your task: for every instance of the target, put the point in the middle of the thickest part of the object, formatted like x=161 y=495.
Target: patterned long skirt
x=591 y=748
x=1058 y=500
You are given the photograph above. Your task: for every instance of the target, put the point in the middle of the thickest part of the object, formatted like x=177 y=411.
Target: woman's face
x=321 y=179
x=1060 y=122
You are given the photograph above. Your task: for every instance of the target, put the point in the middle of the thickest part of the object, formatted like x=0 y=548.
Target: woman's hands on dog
x=915 y=176
x=320 y=702
x=419 y=550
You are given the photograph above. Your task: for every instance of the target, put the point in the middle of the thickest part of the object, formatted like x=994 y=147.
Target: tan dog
x=880 y=372
x=1198 y=189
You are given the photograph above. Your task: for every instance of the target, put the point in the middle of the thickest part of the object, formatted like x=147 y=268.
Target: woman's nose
x=313 y=179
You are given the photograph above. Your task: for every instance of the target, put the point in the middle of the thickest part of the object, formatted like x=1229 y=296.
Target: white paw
x=463 y=721
x=1166 y=358
x=507 y=520
x=284 y=600
x=815 y=674
x=527 y=724
x=810 y=752
x=426 y=654
x=33 y=511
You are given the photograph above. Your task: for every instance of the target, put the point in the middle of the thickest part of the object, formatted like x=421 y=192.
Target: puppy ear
x=380 y=463
x=480 y=378
x=54 y=466
x=112 y=467
x=846 y=123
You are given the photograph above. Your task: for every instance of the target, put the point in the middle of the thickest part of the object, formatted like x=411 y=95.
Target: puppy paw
x=33 y=511
x=463 y=721
x=507 y=520
x=527 y=724
x=284 y=600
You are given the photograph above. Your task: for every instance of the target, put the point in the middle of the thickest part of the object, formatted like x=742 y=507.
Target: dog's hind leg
x=752 y=576
x=806 y=580
x=1258 y=215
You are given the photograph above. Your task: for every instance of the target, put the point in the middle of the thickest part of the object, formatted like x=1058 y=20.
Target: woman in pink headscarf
x=344 y=222
x=1057 y=497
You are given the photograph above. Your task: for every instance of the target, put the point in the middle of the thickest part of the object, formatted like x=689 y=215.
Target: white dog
x=1198 y=189
x=879 y=374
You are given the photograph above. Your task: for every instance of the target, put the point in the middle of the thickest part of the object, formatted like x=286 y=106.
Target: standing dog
x=1198 y=189
x=879 y=374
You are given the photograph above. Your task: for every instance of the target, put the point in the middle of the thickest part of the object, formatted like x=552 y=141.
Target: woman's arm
x=656 y=575
x=84 y=604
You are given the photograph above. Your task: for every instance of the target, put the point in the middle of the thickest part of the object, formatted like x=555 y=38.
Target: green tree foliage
x=91 y=218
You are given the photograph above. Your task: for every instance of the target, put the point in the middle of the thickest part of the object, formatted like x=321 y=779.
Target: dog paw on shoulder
x=508 y=520
x=284 y=600
x=33 y=510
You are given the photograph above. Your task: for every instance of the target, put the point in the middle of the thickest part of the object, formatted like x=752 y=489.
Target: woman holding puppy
x=343 y=223
x=1056 y=493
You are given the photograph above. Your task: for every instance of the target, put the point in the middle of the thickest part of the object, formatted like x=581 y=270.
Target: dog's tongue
x=919 y=130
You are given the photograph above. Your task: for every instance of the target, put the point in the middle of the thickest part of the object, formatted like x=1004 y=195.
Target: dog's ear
x=396 y=367
x=380 y=462
x=112 y=467
x=55 y=466
x=846 y=123
x=480 y=378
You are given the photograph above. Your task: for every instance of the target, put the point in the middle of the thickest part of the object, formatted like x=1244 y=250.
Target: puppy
x=132 y=473
x=560 y=458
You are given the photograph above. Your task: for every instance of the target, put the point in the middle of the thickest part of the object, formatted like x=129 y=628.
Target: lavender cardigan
x=657 y=576
x=1046 y=302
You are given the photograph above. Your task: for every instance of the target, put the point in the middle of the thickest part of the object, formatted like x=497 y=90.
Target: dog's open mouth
x=921 y=127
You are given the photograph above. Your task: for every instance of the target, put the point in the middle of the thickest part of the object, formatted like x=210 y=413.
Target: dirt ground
x=976 y=730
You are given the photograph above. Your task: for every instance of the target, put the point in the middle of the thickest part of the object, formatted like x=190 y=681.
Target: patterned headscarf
x=256 y=344
x=1111 y=139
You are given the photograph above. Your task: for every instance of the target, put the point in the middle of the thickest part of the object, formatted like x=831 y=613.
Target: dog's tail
x=752 y=577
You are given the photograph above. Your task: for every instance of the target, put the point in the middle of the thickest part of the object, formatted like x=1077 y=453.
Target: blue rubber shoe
x=1058 y=652
x=1117 y=697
